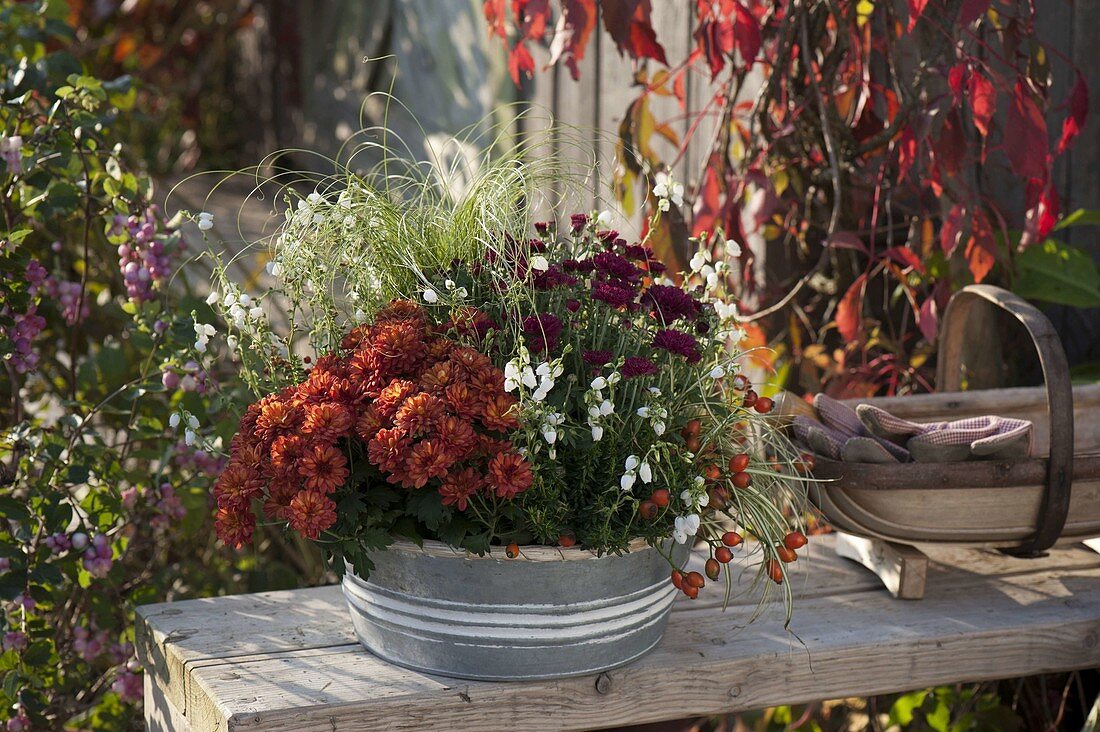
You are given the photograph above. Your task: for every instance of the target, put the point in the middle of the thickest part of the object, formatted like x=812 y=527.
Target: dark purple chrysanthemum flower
x=572 y=305
x=613 y=265
x=637 y=366
x=670 y=303
x=678 y=342
x=608 y=237
x=543 y=227
x=552 y=278
x=577 y=265
x=613 y=295
x=537 y=245
x=578 y=221
x=596 y=358
x=542 y=331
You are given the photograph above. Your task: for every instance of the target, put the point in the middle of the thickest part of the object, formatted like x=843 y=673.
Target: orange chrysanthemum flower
x=286 y=451
x=463 y=401
x=327 y=387
x=437 y=377
x=323 y=468
x=248 y=453
x=488 y=446
x=310 y=513
x=388 y=450
x=509 y=474
x=472 y=361
x=428 y=459
x=439 y=349
x=419 y=414
x=400 y=343
x=247 y=425
x=369 y=422
x=489 y=382
x=328 y=421
x=401 y=309
x=393 y=396
x=457 y=435
x=280 y=490
x=237 y=485
x=457 y=488
x=501 y=413
x=356 y=337
x=277 y=417
x=368 y=373
x=234 y=526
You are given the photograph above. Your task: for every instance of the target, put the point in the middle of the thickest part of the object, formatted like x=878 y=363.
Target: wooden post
x=901 y=568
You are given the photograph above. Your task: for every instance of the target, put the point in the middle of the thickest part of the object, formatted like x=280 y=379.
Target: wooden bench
x=288 y=660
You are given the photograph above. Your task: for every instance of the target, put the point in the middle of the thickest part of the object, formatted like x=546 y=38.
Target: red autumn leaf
x=708 y=202
x=1026 y=136
x=952 y=227
x=972 y=10
x=1042 y=215
x=849 y=311
x=746 y=32
x=520 y=63
x=983 y=101
x=1078 y=103
x=496 y=15
x=928 y=319
x=1048 y=209
x=847 y=240
x=531 y=17
x=715 y=38
x=950 y=148
x=907 y=152
x=981 y=250
x=905 y=257
x=575 y=25
x=916 y=9
x=956 y=77
x=629 y=25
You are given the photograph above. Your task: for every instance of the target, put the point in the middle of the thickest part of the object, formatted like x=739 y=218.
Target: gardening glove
x=841 y=436
x=962 y=439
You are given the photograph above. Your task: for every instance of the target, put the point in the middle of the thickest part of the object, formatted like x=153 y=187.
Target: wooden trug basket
x=1020 y=506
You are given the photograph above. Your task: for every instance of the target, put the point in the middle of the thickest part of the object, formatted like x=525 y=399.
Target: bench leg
x=901 y=568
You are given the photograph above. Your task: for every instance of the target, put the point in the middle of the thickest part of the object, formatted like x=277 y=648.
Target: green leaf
x=17 y=236
x=939 y=718
x=427 y=506
x=1056 y=273
x=77 y=474
x=901 y=713
x=1080 y=217
x=13 y=510
x=37 y=653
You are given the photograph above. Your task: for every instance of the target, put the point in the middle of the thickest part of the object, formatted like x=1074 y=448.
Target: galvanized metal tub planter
x=549 y=613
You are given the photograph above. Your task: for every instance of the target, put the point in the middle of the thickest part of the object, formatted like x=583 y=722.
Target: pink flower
x=15 y=640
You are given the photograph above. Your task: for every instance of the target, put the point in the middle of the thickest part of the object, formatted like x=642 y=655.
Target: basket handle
x=1054 y=507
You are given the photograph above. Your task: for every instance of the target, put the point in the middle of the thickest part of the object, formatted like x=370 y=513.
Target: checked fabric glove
x=872 y=435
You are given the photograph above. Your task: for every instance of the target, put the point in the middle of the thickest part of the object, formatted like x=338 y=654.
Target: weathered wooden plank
x=860 y=644
x=161 y=715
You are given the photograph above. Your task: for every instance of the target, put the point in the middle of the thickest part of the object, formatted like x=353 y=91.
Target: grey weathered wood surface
x=288 y=660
